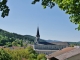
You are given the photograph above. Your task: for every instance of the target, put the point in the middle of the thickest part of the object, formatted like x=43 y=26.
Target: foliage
x=41 y=57
x=4 y=8
x=19 y=54
x=74 y=44
x=71 y=7
x=12 y=39
x=4 y=55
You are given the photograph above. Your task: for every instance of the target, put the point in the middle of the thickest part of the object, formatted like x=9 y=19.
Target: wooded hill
x=8 y=38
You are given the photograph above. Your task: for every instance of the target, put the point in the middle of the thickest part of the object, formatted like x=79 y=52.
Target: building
x=69 y=53
x=46 y=47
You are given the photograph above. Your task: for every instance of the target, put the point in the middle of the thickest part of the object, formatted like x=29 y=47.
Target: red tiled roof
x=60 y=52
x=69 y=54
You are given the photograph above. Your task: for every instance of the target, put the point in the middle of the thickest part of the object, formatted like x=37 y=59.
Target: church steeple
x=37 y=35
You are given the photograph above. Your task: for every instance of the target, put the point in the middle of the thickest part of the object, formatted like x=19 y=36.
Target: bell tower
x=37 y=36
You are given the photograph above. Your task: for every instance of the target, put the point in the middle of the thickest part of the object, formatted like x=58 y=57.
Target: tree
x=4 y=55
x=41 y=57
x=21 y=43
x=4 y=8
x=20 y=54
x=71 y=7
x=14 y=43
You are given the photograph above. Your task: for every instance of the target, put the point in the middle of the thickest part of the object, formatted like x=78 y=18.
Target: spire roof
x=38 y=35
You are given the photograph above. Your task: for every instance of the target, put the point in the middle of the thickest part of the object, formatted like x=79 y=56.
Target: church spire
x=37 y=35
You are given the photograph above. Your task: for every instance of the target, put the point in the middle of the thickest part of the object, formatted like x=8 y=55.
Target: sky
x=24 y=18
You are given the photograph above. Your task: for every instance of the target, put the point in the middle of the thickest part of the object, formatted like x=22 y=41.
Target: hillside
x=15 y=35
x=7 y=38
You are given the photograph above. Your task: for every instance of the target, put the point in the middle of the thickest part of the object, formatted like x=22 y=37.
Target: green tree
x=4 y=8
x=8 y=44
x=4 y=55
x=14 y=43
x=9 y=39
x=20 y=54
x=21 y=43
x=41 y=57
x=30 y=50
x=71 y=7
x=72 y=45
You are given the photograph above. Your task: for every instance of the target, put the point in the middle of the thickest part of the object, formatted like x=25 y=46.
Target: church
x=45 y=47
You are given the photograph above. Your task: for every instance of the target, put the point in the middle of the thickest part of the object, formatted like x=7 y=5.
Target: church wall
x=45 y=52
x=49 y=47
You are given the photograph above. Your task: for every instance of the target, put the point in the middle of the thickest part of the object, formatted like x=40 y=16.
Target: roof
x=54 y=43
x=55 y=54
x=38 y=35
x=46 y=43
x=60 y=43
x=69 y=54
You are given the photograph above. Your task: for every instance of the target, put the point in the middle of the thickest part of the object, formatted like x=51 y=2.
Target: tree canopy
x=20 y=54
x=9 y=39
x=71 y=7
x=4 y=55
x=4 y=8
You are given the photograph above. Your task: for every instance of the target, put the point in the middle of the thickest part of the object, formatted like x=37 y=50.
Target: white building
x=46 y=47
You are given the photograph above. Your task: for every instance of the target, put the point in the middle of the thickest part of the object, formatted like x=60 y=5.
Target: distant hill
x=8 y=37
x=70 y=43
x=30 y=38
x=7 y=34
x=74 y=43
